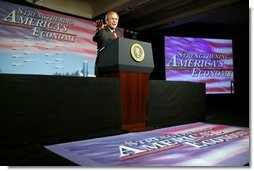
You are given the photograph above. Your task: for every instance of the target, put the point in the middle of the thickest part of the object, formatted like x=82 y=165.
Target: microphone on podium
x=132 y=34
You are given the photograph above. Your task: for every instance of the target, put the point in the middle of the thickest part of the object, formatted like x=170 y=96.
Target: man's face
x=112 y=21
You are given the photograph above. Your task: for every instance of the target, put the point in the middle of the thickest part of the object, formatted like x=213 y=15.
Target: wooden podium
x=120 y=60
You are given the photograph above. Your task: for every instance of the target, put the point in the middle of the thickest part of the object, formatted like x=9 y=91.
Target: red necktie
x=114 y=35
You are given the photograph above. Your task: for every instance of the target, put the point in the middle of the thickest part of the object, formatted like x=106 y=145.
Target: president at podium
x=105 y=34
x=131 y=61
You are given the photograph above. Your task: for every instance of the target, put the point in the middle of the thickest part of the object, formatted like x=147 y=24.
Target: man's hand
x=99 y=24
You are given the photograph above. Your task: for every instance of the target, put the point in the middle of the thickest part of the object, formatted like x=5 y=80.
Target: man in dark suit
x=105 y=34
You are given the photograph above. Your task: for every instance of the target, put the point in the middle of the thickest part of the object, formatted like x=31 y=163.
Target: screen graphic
x=35 y=41
x=203 y=60
x=196 y=144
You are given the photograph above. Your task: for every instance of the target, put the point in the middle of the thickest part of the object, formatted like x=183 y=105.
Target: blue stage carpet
x=196 y=144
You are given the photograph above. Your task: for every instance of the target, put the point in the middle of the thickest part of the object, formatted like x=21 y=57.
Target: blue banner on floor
x=197 y=144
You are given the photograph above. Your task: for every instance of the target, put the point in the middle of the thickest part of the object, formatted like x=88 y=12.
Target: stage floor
x=196 y=144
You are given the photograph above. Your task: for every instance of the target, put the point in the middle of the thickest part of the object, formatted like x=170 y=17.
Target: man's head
x=111 y=19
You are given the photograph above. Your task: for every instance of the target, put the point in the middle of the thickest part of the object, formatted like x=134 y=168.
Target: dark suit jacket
x=103 y=39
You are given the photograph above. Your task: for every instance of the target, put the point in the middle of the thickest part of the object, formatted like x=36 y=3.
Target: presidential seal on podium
x=137 y=52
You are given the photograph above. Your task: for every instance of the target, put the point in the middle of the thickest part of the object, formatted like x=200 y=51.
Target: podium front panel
x=117 y=57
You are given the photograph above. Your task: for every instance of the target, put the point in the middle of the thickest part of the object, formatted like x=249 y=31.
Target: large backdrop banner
x=35 y=41
x=196 y=144
x=205 y=60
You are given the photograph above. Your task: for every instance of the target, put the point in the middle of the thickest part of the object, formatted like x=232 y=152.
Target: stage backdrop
x=203 y=60
x=197 y=144
x=35 y=41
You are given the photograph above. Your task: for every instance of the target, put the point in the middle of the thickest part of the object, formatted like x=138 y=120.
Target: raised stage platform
x=38 y=110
